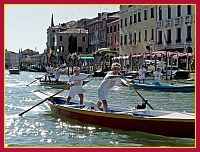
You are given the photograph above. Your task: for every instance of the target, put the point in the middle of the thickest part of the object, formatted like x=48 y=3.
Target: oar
x=36 y=80
x=63 y=65
x=131 y=86
x=45 y=100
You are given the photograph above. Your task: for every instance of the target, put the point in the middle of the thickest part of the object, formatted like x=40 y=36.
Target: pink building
x=97 y=30
x=113 y=35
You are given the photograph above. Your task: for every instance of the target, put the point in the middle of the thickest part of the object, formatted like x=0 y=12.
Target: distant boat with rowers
x=59 y=85
x=164 y=86
x=160 y=122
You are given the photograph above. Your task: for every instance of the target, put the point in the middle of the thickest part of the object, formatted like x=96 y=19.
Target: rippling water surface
x=39 y=127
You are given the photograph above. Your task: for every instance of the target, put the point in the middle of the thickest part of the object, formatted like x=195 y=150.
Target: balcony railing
x=188 y=18
x=168 y=22
x=178 y=20
x=159 y=24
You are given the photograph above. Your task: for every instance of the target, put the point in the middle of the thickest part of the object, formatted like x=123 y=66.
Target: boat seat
x=91 y=106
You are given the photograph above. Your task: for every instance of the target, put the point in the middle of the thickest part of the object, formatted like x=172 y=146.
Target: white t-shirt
x=142 y=72
x=76 y=89
x=157 y=76
x=106 y=85
x=58 y=73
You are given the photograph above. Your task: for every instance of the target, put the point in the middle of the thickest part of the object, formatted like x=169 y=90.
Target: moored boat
x=14 y=70
x=164 y=87
x=167 y=123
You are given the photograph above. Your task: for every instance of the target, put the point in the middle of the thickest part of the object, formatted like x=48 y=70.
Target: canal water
x=39 y=127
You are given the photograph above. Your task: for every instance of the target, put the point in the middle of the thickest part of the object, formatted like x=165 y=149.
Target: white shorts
x=75 y=91
x=103 y=93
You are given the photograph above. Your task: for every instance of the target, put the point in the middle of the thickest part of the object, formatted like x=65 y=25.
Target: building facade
x=176 y=28
x=137 y=29
x=97 y=30
x=11 y=58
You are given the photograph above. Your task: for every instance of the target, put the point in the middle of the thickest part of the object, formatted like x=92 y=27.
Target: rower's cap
x=76 y=69
x=116 y=65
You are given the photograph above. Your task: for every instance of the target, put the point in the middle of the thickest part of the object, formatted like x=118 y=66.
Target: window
x=131 y=18
x=135 y=38
x=83 y=39
x=152 y=12
x=121 y=40
x=160 y=13
x=189 y=34
x=60 y=38
x=139 y=36
x=169 y=36
x=159 y=37
x=121 y=22
x=125 y=39
x=178 y=10
x=139 y=16
x=110 y=29
x=145 y=14
x=54 y=39
x=125 y=21
x=169 y=12
x=189 y=9
x=152 y=34
x=145 y=35
x=115 y=28
x=107 y=29
x=178 y=33
x=135 y=18
x=130 y=39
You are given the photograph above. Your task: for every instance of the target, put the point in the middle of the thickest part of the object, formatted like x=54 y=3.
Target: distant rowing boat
x=167 y=123
x=164 y=87
x=59 y=85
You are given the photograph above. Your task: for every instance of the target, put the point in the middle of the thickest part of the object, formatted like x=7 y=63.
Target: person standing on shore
x=108 y=82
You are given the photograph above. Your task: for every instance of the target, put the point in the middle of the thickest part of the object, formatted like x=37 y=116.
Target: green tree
x=72 y=47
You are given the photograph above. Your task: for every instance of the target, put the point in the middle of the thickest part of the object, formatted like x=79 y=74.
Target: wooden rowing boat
x=167 y=123
x=59 y=85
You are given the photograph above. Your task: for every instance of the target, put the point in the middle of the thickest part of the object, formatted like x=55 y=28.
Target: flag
x=50 y=52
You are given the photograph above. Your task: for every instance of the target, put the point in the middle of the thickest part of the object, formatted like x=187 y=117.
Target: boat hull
x=14 y=71
x=165 y=87
x=160 y=126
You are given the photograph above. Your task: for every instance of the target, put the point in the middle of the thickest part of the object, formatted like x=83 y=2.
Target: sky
x=26 y=25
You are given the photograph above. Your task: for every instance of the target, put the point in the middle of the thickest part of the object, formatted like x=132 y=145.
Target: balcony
x=168 y=22
x=188 y=19
x=178 y=21
x=159 y=24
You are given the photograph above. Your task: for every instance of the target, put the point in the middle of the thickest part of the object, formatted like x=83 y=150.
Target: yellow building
x=137 y=29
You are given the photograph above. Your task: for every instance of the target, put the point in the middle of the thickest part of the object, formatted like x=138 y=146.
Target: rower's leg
x=98 y=104
x=105 y=106
x=81 y=98
x=68 y=99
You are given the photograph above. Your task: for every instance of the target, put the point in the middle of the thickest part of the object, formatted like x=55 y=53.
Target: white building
x=176 y=28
